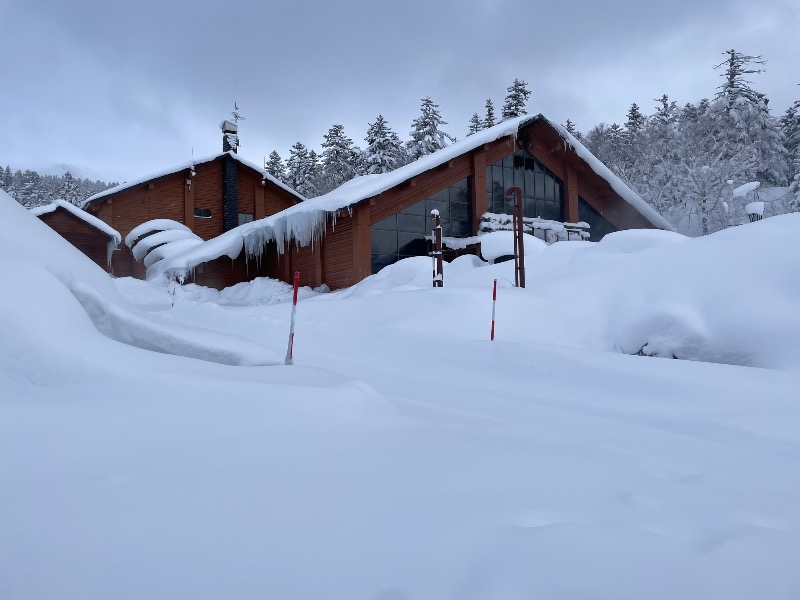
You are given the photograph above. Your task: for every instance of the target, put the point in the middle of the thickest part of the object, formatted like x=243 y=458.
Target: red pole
x=289 y=350
x=494 y=303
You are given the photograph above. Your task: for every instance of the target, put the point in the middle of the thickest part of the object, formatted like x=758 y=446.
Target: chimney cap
x=228 y=127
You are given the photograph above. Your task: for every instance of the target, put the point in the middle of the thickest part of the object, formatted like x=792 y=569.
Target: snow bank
x=501 y=243
x=72 y=292
x=644 y=292
x=405 y=456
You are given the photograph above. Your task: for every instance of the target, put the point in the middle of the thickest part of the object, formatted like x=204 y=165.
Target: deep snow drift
x=404 y=456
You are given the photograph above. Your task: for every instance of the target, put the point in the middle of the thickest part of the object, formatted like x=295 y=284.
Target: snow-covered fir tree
x=339 y=159
x=275 y=167
x=636 y=121
x=741 y=123
x=790 y=125
x=7 y=179
x=489 y=120
x=426 y=137
x=384 y=151
x=69 y=189
x=475 y=125
x=301 y=170
x=517 y=98
x=571 y=128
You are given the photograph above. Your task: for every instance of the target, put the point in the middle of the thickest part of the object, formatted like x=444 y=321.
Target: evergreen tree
x=636 y=121
x=489 y=121
x=475 y=125
x=741 y=122
x=426 y=137
x=384 y=151
x=275 y=167
x=666 y=111
x=790 y=124
x=7 y=179
x=339 y=159
x=69 y=189
x=514 y=105
x=570 y=127
x=301 y=169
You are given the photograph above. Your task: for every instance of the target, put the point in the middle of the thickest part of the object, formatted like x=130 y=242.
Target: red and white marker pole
x=494 y=303
x=289 y=355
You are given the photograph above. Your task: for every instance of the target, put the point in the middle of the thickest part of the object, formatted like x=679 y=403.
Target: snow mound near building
x=724 y=298
x=78 y=307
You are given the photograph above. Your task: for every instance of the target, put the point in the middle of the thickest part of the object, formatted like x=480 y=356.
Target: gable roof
x=183 y=167
x=102 y=226
x=367 y=186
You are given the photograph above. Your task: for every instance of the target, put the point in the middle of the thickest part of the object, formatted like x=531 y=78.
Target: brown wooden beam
x=478 y=188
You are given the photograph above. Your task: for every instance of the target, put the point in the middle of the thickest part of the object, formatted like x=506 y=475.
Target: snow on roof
x=743 y=190
x=305 y=222
x=150 y=227
x=183 y=167
x=82 y=215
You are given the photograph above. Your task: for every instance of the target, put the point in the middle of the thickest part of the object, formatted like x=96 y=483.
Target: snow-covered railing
x=544 y=229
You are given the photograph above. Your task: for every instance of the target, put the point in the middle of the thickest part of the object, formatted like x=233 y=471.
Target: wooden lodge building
x=210 y=196
x=372 y=221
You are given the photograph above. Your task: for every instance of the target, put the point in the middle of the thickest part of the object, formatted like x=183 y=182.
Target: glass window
x=599 y=226
x=403 y=234
x=542 y=190
x=202 y=213
x=245 y=218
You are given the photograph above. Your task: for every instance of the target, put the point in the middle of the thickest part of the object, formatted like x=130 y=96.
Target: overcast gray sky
x=126 y=88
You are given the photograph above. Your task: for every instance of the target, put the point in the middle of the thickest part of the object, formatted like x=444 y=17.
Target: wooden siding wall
x=247 y=189
x=208 y=195
x=92 y=242
x=337 y=259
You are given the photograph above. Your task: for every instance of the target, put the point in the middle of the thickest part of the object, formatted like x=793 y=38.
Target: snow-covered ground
x=404 y=456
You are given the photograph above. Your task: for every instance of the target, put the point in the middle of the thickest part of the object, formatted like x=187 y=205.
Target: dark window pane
x=413 y=223
x=389 y=223
x=461 y=196
x=412 y=245
x=440 y=196
x=539 y=191
x=549 y=189
x=508 y=161
x=383 y=241
x=415 y=209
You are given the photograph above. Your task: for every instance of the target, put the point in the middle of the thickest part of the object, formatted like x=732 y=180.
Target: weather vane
x=236 y=114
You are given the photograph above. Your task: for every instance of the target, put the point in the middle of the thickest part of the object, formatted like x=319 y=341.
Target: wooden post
x=438 y=274
x=519 y=237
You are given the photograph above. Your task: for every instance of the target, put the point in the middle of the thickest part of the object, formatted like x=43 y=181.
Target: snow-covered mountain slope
x=404 y=456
